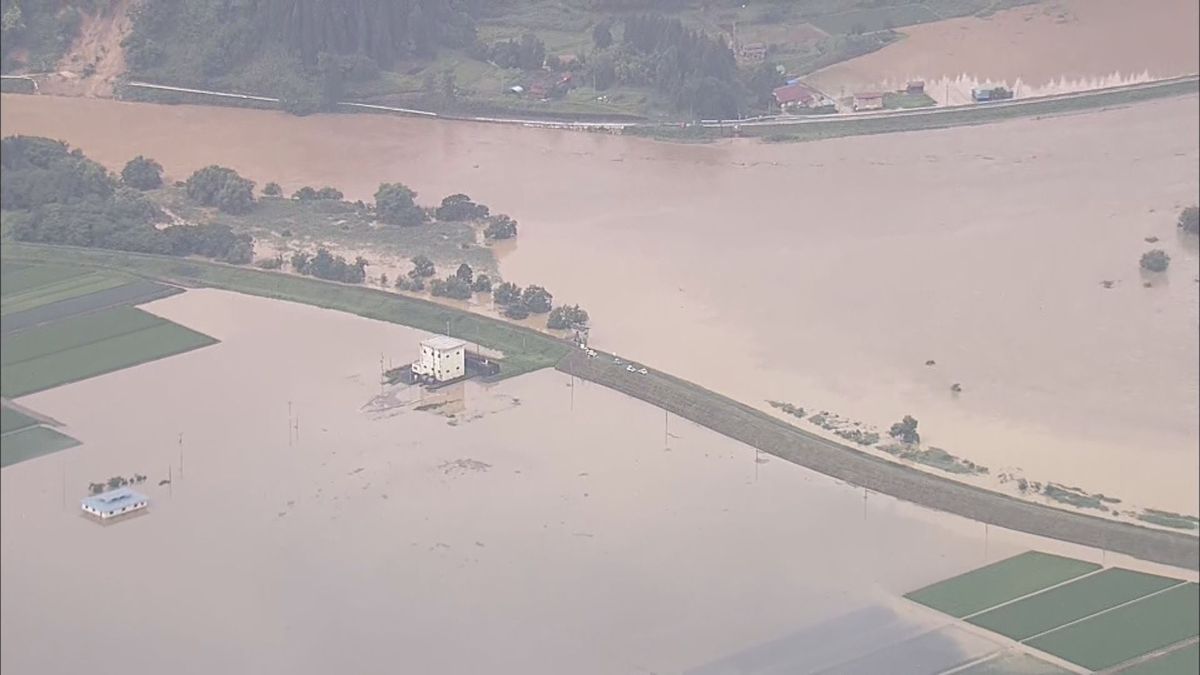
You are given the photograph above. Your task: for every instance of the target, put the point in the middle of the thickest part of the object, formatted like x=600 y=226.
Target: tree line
x=62 y=197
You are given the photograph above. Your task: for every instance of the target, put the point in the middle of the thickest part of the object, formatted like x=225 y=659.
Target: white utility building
x=443 y=358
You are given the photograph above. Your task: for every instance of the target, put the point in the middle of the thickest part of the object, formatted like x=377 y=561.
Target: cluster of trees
x=519 y=304
x=37 y=32
x=567 y=317
x=116 y=482
x=906 y=431
x=325 y=265
x=306 y=193
x=528 y=53
x=458 y=207
x=204 y=42
x=63 y=197
x=500 y=227
x=395 y=204
x=696 y=72
x=221 y=187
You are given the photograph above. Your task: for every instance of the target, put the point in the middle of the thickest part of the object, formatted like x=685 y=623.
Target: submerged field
x=539 y=505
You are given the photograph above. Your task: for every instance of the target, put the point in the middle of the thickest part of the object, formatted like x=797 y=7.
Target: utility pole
x=181 y=454
x=864 y=505
x=666 y=422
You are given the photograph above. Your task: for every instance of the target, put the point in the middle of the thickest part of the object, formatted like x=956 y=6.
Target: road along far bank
x=527 y=350
x=776 y=437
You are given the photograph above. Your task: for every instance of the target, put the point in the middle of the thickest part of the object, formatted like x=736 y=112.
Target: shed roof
x=793 y=93
x=442 y=343
x=113 y=499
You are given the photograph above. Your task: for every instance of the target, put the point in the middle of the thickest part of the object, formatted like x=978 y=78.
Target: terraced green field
x=1081 y=598
x=1125 y=633
x=86 y=346
x=32 y=442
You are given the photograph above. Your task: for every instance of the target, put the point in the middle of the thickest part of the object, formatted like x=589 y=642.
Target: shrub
x=460 y=207
x=272 y=189
x=516 y=311
x=1189 y=220
x=500 y=227
x=482 y=284
x=1155 y=260
x=422 y=267
x=394 y=205
x=906 y=430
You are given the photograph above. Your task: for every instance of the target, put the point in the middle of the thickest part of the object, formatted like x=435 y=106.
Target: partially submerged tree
x=1189 y=220
x=460 y=207
x=465 y=273
x=272 y=189
x=506 y=293
x=221 y=187
x=1155 y=260
x=394 y=205
x=500 y=227
x=422 y=267
x=482 y=284
x=906 y=430
x=566 y=317
x=537 y=299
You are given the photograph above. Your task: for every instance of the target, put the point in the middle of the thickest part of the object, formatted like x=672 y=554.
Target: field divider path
x=786 y=441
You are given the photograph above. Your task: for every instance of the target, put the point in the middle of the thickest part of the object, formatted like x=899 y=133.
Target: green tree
x=566 y=317
x=221 y=187
x=500 y=227
x=482 y=284
x=142 y=173
x=906 y=430
x=1155 y=260
x=1189 y=220
x=451 y=287
x=465 y=273
x=506 y=293
x=516 y=311
x=537 y=299
x=602 y=35
x=272 y=189
x=458 y=207
x=394 y=205
x=422 y=267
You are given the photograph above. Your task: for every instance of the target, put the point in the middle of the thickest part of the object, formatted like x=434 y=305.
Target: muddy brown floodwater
x=823 y=274
x=513 y=528
x=1044 y=48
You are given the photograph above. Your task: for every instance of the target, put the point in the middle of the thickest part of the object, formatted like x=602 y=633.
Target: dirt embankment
x=96 y=59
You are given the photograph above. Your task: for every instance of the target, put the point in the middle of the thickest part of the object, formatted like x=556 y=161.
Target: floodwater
x=1045 y=48
x=824 y=274
x=530 y=527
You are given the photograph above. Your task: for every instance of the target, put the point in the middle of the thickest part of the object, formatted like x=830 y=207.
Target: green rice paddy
x=11 y=420
x=1081 y=598
x=1000 y=582
x=66 y=284
x=1096 y=621
x=32 y=442
x=1125 y=633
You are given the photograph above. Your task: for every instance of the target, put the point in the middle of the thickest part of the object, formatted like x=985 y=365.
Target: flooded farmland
x=1047 y=48
x=526 y=527
x=823 y=274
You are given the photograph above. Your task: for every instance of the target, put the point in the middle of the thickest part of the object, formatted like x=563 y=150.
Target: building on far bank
x=915 y=87
x=795 y=95
x=869 y=100
x=114 y=503
x=443 y=358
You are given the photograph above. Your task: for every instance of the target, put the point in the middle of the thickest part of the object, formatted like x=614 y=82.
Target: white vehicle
x=591 y=353
x=631 y=369
x=617 y=360
x=643 y=371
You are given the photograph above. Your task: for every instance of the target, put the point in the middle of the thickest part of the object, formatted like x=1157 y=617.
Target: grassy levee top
x=524 y=349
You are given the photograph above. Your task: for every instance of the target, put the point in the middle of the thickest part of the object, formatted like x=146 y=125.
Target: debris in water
x=461 y=466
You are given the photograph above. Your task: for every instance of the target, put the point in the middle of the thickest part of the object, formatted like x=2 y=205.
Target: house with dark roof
x=795 y=95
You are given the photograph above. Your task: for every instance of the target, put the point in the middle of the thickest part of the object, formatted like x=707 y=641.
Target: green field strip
x=77 y=331
x=25 y=277
x=32 y=442
x=98 y=358
x=1182 y=661
x=1127 y=632
x=1070 y=602
x=61 y=290
x=1000 y=582
x=11 y=420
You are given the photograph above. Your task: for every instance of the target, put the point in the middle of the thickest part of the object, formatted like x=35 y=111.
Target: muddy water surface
x=1044 y=48
x=515 y=528
x=824 y=274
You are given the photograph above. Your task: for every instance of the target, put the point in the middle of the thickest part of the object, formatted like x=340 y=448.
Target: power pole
x=181 y=454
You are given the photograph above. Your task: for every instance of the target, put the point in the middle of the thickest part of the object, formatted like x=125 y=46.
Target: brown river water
x=535 y=526
x=823 y=274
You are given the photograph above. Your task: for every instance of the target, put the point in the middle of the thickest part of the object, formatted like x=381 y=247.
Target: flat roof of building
x=443 y=342
x=113 y=499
